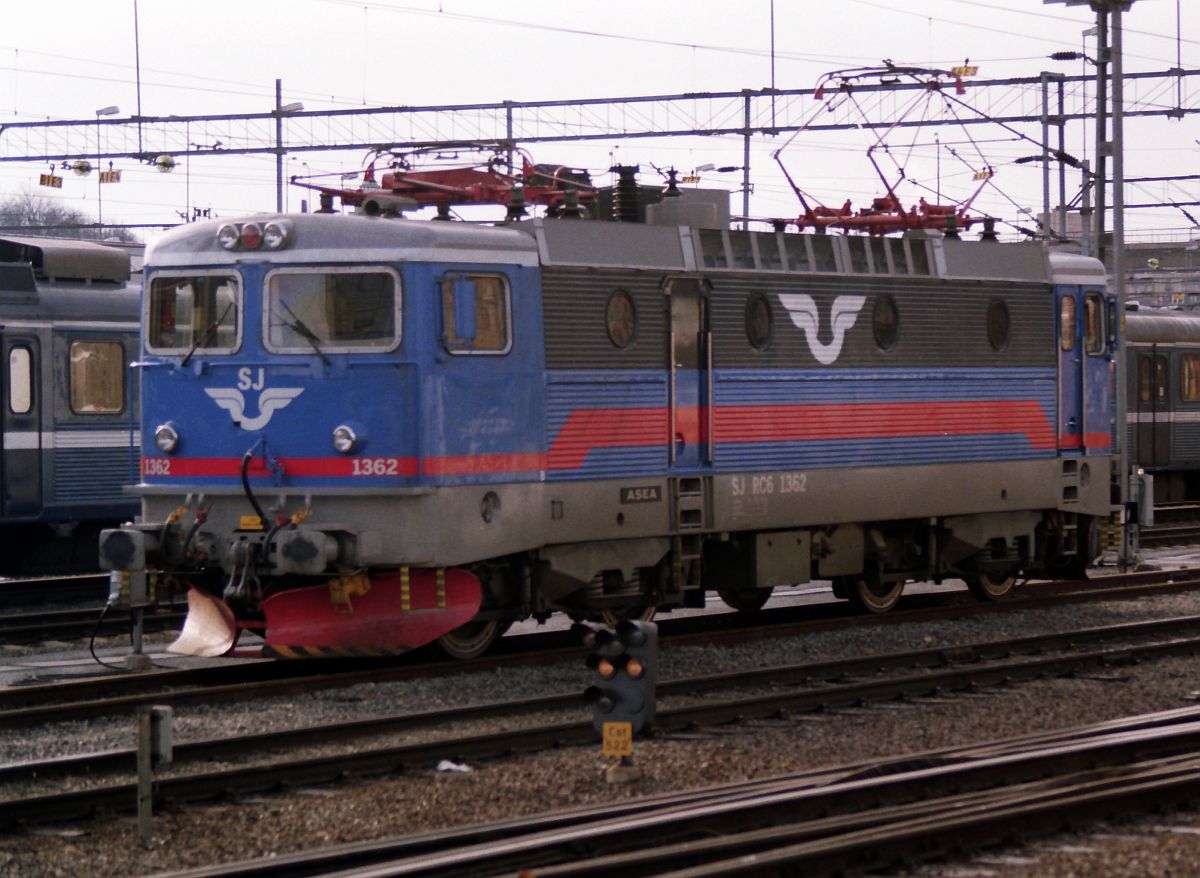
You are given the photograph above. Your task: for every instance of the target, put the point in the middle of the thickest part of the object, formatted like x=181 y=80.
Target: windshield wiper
x=301 y=329
x=206 y=336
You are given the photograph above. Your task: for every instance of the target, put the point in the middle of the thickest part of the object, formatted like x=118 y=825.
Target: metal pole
x=1062 y=168
x=1102 y=144
x=137 y=65
x=746 y=164
x=1085 y=209
x=278 y=146
x=1118 y=201
x=99 y=184
x=1047 y=232
x=145 y=775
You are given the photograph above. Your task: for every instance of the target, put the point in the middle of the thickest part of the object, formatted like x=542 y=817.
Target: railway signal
x=623 y=664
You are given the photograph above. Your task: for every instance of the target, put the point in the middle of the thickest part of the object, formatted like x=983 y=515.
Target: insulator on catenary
x=626 y=197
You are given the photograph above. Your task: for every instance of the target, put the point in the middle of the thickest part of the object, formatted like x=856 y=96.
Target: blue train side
x=68 y=428
x=362 y=432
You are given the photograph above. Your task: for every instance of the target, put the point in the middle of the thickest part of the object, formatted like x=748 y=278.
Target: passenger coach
x=68 y=428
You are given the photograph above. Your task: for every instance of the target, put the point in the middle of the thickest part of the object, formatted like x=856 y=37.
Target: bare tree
x=42 y=216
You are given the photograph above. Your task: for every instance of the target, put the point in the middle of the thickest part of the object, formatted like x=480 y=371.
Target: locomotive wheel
x=990 y=586
x=744 y=599
x=871 y=597
x=471 y=640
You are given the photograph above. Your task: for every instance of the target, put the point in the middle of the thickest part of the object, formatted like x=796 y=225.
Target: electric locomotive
x=364 y=433
x=68 y=425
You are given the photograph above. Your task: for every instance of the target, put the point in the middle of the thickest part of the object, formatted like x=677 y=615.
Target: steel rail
x=101 y=696
x=37 y=627
x=374 y=761
x=787 y=675
x=849 y=822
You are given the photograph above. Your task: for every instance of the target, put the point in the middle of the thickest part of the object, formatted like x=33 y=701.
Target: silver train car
x=1163 y=401
x=68 y=417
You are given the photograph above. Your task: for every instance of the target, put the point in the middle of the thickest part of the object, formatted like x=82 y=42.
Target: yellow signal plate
x=618 y=739
x=250 y=522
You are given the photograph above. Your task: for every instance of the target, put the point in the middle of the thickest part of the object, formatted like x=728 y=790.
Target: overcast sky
x=65 y=60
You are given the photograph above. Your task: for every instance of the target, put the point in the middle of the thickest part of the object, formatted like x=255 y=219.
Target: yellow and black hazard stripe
x=318 y=652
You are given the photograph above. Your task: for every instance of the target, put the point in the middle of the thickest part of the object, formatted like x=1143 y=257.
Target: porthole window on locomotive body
x=620 y=319
x=998 y=324
x=759 y=322
x=885 y=321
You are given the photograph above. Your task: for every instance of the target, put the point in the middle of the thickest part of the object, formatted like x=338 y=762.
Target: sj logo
x=804 y=314
x=270 y=399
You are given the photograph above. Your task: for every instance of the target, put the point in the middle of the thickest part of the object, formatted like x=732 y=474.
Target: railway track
x=765 y=692
x=40 y=626
x=88 y=697
x=119 y=693
x=35 y=591
x=864 y=816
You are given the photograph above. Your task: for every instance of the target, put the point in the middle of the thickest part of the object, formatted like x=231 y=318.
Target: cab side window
x=1093 y=328
x=475 y=314
x=1066 y=323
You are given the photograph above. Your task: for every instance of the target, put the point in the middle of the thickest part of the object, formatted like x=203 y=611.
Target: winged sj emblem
x=270 y=400
x=804 y=314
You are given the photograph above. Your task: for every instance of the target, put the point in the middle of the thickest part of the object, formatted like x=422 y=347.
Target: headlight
x=344 y=439
x=227 y=236
x=275 y=235
x=166 y=438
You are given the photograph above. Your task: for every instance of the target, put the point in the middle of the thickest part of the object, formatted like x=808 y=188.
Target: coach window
x=193 y=312
x=475 y=314
x=1189 y=377
x=1093 y=313
x=334 y=309
x=1066 y=323
x=20 y=381
x=97 y=377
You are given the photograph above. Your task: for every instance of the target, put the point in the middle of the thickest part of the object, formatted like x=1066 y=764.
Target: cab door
x=1098 y=346
x=689 y=356
x=1070 y=370
x=21 y=441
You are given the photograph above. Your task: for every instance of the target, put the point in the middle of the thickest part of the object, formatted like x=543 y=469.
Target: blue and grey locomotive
x=68 y=426
x=366 y=433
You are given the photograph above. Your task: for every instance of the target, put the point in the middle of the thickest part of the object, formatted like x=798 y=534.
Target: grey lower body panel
x=458 y=525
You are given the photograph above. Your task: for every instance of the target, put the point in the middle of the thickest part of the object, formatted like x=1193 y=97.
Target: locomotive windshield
x=194 y=312
x=332 y=309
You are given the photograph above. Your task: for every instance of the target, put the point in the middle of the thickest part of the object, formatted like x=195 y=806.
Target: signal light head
x=634 y=667
x=631 y=632
x=251 y=236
